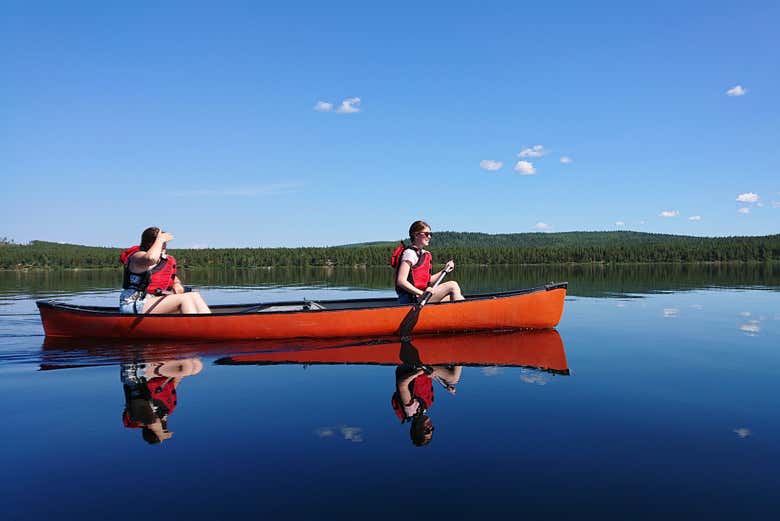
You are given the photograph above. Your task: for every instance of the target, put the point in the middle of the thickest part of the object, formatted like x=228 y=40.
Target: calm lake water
x=657 y=396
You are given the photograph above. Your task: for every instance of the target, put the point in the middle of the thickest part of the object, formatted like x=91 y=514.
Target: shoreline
x=600 y=264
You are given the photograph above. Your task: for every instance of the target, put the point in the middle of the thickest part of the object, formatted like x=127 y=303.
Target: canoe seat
x=306 y=306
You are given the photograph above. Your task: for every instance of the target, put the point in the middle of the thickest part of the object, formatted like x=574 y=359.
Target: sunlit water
x=657 y=397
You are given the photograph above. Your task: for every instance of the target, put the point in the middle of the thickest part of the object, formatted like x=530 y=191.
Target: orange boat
x=537 y=308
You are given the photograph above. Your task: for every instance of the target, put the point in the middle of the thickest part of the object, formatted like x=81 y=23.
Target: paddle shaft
x=429 y=293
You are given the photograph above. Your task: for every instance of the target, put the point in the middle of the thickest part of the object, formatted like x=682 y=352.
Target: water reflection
x=423 y=361
x=151 y=373
x=584 y=280
x=537 y=349
x=150 y=390
x=414 y=393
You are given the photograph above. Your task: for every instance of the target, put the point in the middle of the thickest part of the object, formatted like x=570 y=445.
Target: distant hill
x=467 y=247
x=542 y=240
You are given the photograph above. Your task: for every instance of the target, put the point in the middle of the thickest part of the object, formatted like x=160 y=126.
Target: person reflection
x=150 y=395
x=413 y=394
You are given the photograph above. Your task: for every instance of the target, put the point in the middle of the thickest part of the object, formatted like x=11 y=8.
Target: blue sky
x=202 y=119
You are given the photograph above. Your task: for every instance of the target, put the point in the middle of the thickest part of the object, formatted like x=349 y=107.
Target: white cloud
x=199 y=246
x=353 y=434
x=542 y=226
x=534 y=151
x=747 y=197
x=620 y=223
x=323 y=106
x=737 y=90
x=694 y=218
x=641 y=222
x=565 y=160
x=250 y=191
x=324 y=432
x=525 y=168
x=744 y=210
x=742 y=432
x=530 y=377
x=349 y=106
x=775 y=204
x=671 y=312
x=669 y=213
x=492 y=370
x=752 y=328
x=490 y=165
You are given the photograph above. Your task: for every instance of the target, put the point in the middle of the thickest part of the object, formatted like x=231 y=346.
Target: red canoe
x=537 y=308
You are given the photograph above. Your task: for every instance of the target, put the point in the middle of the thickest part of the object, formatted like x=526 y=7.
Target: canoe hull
x=534 y=309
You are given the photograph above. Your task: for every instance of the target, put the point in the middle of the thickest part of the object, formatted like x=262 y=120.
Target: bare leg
x=174 y=368
x=446 y=292
x=169 y=304
x=200 y=303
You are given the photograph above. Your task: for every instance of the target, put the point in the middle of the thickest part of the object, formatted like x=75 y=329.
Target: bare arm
x=449 y=266
x=177 y=285
x=402 y=384
x=143 y=260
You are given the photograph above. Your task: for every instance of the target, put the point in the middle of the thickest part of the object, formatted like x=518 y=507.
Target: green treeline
x=465 y=248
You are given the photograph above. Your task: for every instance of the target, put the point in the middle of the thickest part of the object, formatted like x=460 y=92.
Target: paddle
x=410 y=320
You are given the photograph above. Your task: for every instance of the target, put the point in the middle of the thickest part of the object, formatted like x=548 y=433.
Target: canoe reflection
x=427 y=359
x=151 y=372
x=150 y=390
x=537 y=349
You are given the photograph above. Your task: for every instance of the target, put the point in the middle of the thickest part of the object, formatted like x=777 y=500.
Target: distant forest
x=465 y=248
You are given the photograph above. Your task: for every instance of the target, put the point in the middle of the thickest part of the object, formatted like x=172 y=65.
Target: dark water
x=656 y=397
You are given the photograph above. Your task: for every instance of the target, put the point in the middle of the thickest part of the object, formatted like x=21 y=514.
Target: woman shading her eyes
x=150 y=283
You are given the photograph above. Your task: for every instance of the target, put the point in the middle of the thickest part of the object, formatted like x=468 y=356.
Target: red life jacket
x=161 y=276
x=163 y=398
x=422 y=389
x=420 y=273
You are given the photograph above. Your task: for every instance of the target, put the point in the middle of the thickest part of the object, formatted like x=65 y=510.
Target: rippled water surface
x=656 y=396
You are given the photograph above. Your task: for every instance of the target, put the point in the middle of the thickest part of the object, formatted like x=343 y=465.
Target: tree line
x=593 y=280
x=509 y=249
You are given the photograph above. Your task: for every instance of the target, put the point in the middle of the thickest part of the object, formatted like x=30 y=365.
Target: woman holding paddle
x=150 y=283
x=413 y=276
